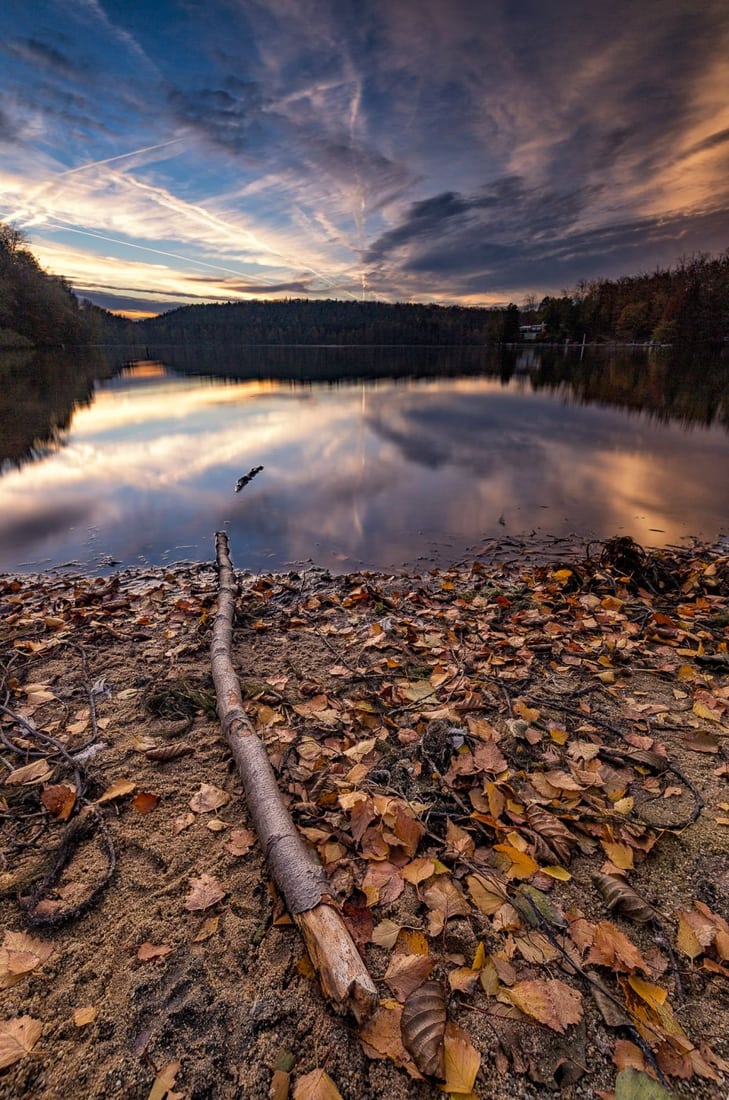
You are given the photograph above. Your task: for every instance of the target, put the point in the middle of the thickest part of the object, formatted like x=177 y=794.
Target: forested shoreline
x=686 y=305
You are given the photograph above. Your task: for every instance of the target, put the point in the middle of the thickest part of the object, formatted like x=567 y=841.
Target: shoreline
x=447 y=742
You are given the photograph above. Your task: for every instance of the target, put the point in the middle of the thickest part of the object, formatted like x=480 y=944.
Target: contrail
x=218 y=268
x=119 y=156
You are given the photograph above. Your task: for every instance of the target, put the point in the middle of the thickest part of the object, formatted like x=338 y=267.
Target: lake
x=376 y=458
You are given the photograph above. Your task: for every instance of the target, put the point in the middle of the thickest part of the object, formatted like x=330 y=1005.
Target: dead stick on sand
x=296 y=871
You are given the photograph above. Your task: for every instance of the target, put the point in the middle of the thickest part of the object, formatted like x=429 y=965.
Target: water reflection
x=377 y=472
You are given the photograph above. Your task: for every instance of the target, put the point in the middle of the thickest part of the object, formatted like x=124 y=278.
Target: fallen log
x=296 y=870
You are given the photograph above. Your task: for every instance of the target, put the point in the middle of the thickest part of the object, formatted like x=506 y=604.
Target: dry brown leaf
x=17 y=1038
x=85 y=1015
x=418 y=870
x=486 y=894
x=208 y=928
x=463 y=979
x=164 y=1083
x=316 y=1085
x=423 y=1028
x=612 y=948
x=149 y=951
x=118 y=789
x=462 y=1062
x=622 y=898
x=385 y=933
x=59 y=800
x=552 y=1002
x=37 y=772
x=406 y=972
x=182 y=822
x=145 y=802
x=19 y=955
x=240 y=842
x=686 y=939
x=381 y=1037
x=208 y=798
x=205 y=891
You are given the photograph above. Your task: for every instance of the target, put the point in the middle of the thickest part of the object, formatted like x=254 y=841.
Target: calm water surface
x=377 y=473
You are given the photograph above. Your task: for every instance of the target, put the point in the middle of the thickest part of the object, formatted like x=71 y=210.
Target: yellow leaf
x=619 y=854
x=560 y=873
x=653 y=995
x=479 y=959
x=686 y=939
x=418 y=870
x=702 y=711
x=462 y=1062
x=562 y=575
x=521 y=864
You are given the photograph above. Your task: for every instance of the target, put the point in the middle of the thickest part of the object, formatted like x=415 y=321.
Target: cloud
x=42 y=56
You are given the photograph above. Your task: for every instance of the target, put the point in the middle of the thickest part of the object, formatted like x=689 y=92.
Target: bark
x=295 y=868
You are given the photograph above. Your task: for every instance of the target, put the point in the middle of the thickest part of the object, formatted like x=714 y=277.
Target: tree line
x=685 y=305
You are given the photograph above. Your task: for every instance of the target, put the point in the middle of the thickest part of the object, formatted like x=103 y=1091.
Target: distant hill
x=327 y=321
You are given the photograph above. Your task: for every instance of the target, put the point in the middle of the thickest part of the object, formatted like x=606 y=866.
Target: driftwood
x=296 y=871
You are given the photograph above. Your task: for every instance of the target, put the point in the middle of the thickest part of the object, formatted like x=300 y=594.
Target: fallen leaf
x=86 y=1015
x=17 y=1038
x=205 y=891
x=208 y=798
x=630 y=1084
x=240 y=842
x=144 y=802
x=164 y=1082
x=316 y=1085
x=462 y=1062
x=406 y=972
x=208 y=928
x=423 y=1028
x=37 y=772
x=612 y=948
x=552 y=1002
x=385 y=933
x=149 y=951
x=19 y=955
x=118 y=789
x=59 y=800
x=653 y=995
x=182 y=822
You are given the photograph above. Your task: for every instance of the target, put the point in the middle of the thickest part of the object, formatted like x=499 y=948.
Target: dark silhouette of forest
x=686 y=306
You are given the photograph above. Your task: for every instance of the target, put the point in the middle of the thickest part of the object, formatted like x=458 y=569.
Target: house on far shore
x=531 y=332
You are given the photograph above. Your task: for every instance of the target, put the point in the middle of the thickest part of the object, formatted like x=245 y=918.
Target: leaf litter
x=516 y=777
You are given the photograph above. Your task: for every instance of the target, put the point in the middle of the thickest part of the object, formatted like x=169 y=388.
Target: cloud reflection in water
x=354 y=473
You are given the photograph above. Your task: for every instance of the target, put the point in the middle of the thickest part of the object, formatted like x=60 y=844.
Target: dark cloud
x=8 y=128
x=228 y=116
x=239 y=286
x=42 y=56
x=721 y=137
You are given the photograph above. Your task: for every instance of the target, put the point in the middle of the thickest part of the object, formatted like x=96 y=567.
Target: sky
x=456 y=151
